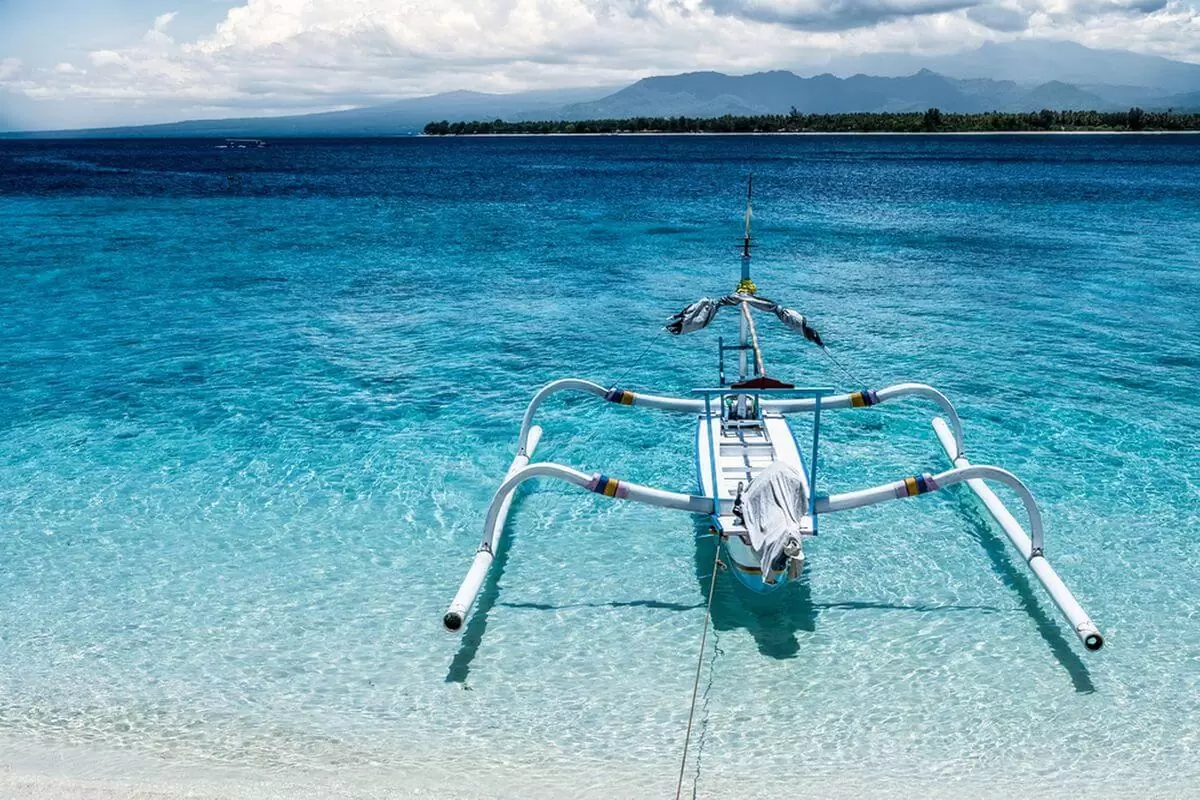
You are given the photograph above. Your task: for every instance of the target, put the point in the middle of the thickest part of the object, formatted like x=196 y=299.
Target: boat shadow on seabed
x=773 y=624
x=775 y=620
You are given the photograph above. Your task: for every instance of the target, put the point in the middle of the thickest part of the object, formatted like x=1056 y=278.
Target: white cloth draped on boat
x=772 y=506
x=700 y=313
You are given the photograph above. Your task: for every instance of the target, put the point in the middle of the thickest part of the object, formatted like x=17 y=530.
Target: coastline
x=809 y=133
x=930 y=121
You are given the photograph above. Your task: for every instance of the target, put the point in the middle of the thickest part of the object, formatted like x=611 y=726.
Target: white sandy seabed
x=72 y=773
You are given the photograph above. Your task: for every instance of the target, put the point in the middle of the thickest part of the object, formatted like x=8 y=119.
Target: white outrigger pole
x=755 y=481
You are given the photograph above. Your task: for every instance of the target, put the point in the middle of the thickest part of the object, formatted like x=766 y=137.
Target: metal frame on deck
x=815 y=393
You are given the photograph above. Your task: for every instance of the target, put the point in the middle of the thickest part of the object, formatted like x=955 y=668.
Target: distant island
x=930 y=121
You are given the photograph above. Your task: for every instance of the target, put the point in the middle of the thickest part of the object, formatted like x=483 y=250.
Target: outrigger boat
x=754 y=480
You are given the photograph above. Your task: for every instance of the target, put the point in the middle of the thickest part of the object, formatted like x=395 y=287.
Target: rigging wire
x=853 y=378
x=605 y=409
x=637 y=360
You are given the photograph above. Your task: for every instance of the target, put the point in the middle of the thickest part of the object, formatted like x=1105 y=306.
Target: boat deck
x=744 y=449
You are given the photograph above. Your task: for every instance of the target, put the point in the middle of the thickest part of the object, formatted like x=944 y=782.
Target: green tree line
x=931 y=121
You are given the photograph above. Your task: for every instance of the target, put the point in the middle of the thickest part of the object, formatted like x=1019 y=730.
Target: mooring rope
x=699 y=668
x=712 y=668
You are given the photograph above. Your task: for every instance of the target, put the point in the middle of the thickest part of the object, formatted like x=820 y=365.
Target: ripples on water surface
x=253 y=405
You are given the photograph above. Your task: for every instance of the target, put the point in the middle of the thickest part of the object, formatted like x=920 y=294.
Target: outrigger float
x=755 y=482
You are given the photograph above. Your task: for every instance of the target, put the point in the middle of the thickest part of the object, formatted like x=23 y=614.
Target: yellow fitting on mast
x=746 y=286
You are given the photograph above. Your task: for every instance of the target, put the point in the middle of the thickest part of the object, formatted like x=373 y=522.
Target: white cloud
x=9 y=67
x=1000 y=17
x=305 y=54
x=1170 y=28
x=832 y=15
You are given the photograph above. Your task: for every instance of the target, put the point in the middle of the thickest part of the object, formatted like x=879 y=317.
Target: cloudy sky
x=71 y=63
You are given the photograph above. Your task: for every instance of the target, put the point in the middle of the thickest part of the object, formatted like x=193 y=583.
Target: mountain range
x=710 y=94
x=1035 y=61
x=1015 y=76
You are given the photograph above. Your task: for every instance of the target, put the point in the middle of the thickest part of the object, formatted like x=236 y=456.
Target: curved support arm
x=600 y=484
x=869 y=398
x=920 y=484
x=494 y=523
x=688 y=404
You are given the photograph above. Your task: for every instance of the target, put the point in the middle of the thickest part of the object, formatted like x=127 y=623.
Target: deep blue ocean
x=253 y=404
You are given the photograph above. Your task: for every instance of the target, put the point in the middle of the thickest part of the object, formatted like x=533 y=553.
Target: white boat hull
x=744 y=449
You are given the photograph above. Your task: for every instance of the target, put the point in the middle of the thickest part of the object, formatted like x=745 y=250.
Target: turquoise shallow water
x=253 y=405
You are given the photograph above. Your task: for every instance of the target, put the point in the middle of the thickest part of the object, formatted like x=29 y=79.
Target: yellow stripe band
x=621 y=396
x=609 y=487
x=915 y=485
x=866 y=397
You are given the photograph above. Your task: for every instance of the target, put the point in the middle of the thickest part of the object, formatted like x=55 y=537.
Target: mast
x=746 y=239
x=745 y=286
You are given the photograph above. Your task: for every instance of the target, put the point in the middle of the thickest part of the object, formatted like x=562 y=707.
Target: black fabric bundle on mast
x=700 y=313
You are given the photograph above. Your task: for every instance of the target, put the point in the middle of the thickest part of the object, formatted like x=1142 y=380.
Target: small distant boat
x=756 y=482
x=242 y=144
